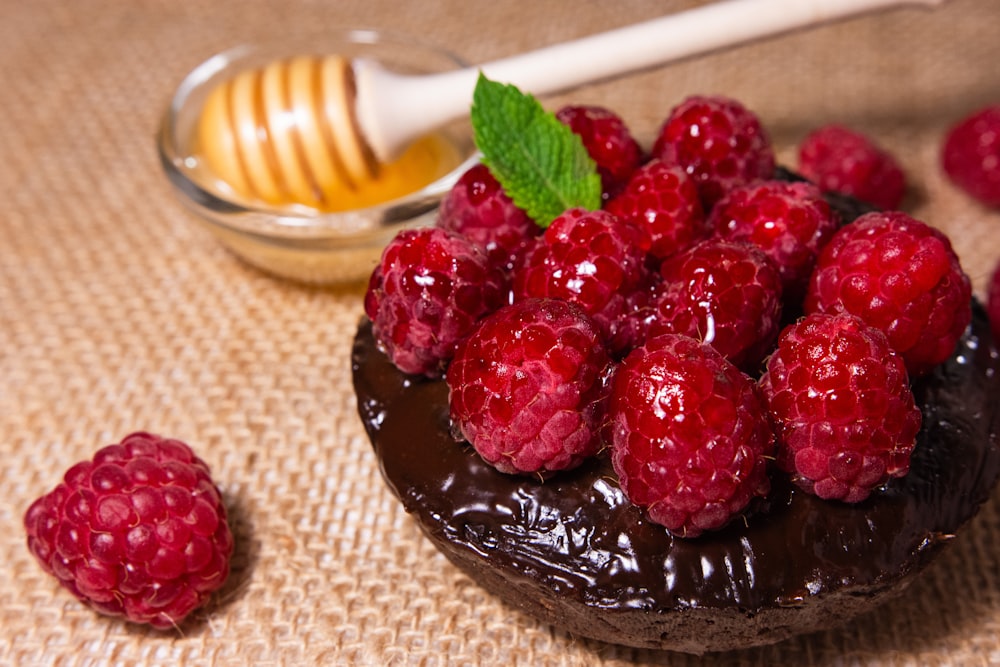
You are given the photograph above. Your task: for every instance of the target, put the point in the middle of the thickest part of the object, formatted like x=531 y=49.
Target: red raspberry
x=719 y=142
x=663 y=199
x=790 y=222
x=971 y=155
x=725 y=294
x=841 y=403
x=593 y=259
x=139 y=531
x=838 y=159
x=478 y=209
x=690 y=436
x=429 y=290
x=993 y=302
x=901 y=276
x=527 y=388
x=608 y=141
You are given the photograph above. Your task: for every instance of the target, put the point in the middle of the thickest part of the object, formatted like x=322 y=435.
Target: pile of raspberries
x=716 y=319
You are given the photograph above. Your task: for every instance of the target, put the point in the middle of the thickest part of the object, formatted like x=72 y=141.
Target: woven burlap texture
x=118 y=313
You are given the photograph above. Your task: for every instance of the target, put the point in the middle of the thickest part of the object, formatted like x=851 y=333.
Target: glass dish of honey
x=241 y=143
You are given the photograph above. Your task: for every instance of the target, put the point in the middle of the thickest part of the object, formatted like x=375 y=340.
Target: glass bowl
x=297 y=242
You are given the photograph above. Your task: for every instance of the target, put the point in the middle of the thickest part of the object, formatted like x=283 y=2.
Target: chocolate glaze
x=575 y=553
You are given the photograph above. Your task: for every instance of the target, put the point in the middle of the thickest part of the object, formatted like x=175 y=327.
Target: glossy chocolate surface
x=575 y=552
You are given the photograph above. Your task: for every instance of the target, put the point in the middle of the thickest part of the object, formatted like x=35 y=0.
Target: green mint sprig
x=538 y=160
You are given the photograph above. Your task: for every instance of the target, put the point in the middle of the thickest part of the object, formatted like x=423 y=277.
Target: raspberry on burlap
x=970 y=155
x=139 y=531
x=839 y=159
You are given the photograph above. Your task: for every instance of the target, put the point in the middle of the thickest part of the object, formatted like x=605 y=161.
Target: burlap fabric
x=117 y=313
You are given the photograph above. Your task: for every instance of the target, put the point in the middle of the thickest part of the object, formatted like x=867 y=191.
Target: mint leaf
x=540 y=163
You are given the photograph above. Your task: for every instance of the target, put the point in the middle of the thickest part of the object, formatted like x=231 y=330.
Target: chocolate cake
x=575 y=553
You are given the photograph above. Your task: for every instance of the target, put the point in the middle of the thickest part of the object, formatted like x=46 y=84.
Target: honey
x=268 y=135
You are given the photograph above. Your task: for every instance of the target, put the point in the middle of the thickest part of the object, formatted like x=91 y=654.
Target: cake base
x=573 y=552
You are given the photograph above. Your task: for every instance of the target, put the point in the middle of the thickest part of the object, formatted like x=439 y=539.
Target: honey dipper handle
x=394 y=109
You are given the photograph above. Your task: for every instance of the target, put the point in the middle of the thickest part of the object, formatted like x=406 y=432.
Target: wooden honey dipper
x=310 y=129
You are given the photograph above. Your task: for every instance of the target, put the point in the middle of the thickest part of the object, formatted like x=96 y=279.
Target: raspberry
x=689 y=435
x=725 y=294
x=663 y=199
x=790 y=222
x=608 y=141
x=971 y=155
x=841 y=403
x=139 y=531
x=527 y=388
x=427 y=293
x=719 y=142
x=901 y=276
x=593 y=259
x=838 y=159
x=993 y=302
x=478 y=208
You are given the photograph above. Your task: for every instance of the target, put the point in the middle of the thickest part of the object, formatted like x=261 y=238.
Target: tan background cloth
x=117 y=313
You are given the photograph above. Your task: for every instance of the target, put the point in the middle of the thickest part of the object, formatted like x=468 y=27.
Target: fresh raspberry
x=842 y=407
x=662 y=198
x=478 y=208
x=527 y=388
x=719 y=142
x=608 y=141
x=725 y=294
x=790 y=222
x=901 y=276
x=427 y=293
x=993 y=302
x=139 y=531
x=593 y=259
x=838 y=159
x=689 y=435
x=971 y=155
